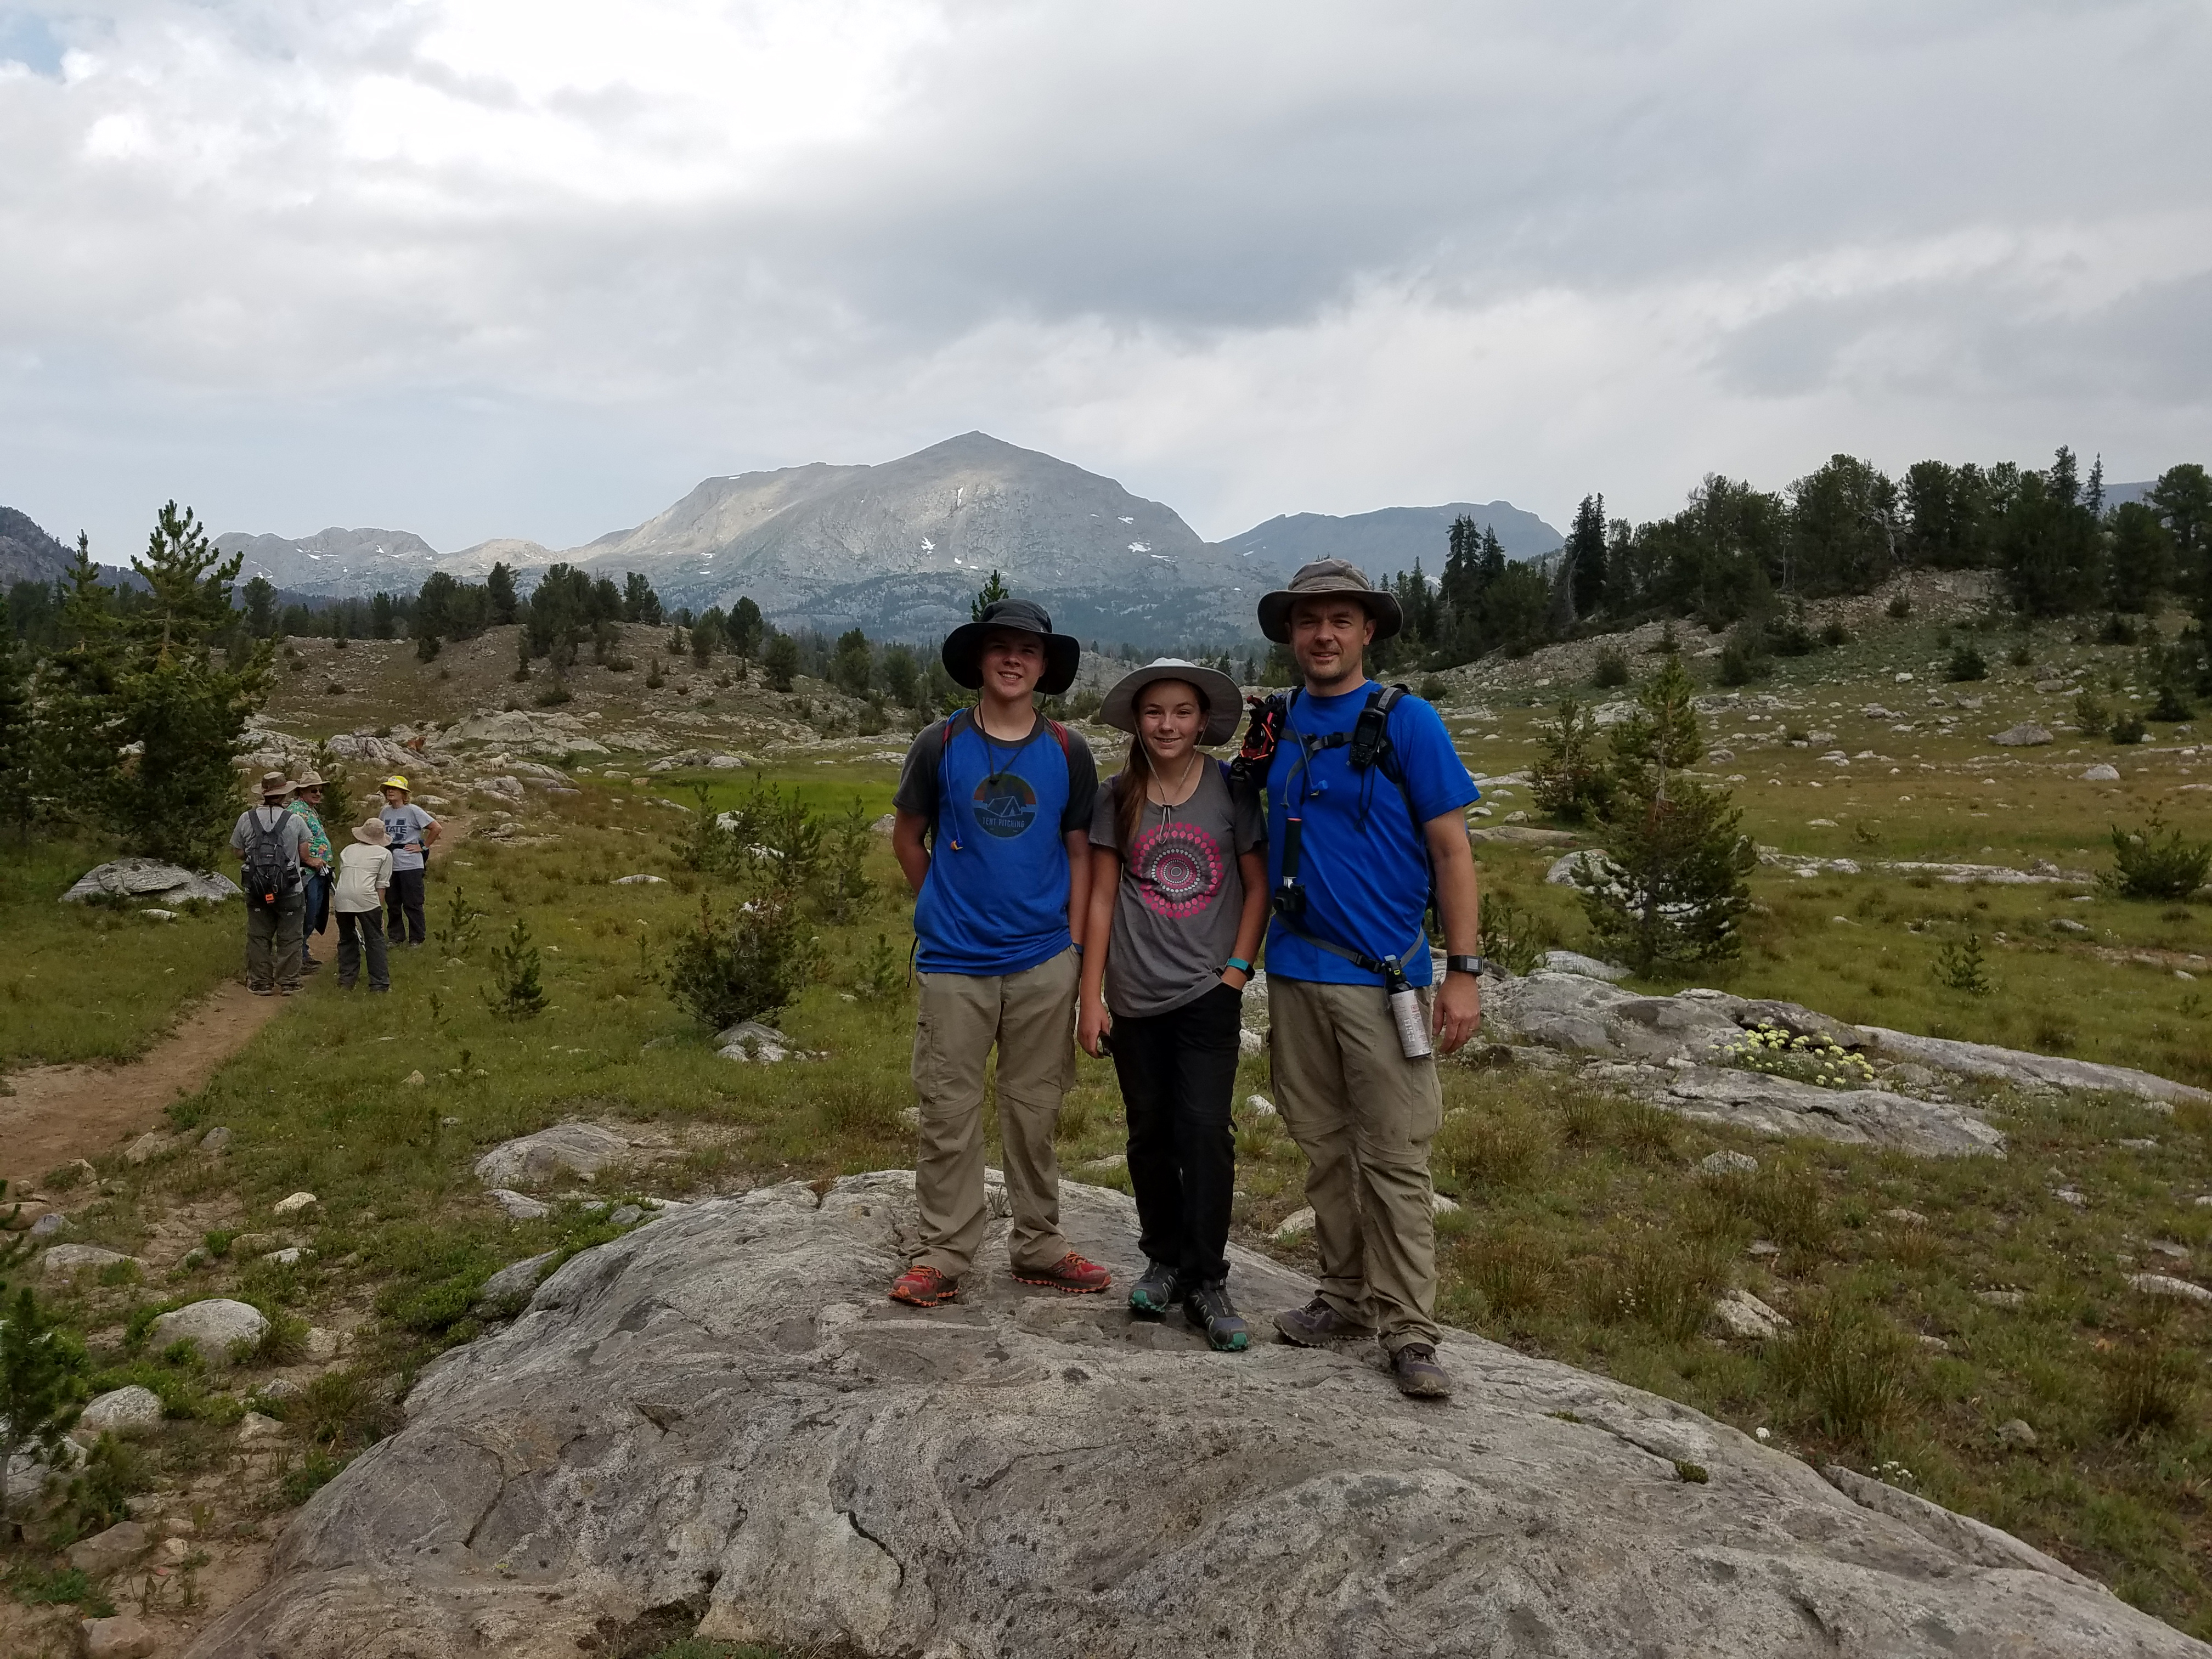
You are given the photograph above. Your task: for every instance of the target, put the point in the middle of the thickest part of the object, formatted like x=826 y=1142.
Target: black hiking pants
x=403 y=903
x=1178 y=1072
x=361 y=933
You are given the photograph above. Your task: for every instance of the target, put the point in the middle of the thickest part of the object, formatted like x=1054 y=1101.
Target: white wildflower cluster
x=1816 y=1060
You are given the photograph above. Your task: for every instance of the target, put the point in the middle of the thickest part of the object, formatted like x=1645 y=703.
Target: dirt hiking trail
x=61 y=1112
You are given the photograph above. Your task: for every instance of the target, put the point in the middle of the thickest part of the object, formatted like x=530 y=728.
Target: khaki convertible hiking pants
x=1364 y=1114
x=1030 y=1018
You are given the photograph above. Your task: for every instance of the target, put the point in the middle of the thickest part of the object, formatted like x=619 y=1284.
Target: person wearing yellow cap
x=413 y=832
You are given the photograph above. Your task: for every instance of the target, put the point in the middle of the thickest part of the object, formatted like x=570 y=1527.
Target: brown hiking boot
x=924 y=1287
x=1317 y=1325
x=1071 y=1273
x=1418 y=1376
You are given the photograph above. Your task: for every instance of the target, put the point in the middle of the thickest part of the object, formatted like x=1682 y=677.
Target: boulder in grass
x=150 y=878
x=2026 y=735
x=216 y=1327
x=103 y=1552
x=120 y=1636
x=61 y=1261
x=1574 y=962
x=530 y=1160
x=2102 y=772
x=121 y=1412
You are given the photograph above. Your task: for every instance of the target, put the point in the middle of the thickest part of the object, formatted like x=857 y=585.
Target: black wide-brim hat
x=962 y=654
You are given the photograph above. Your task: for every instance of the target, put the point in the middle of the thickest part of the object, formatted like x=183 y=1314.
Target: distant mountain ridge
x=1390 y=538
x=27 y=553
x=899 y=548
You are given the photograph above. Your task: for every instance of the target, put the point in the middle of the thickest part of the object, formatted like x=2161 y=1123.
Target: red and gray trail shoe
x=925 y=1287
x=1070 y=1274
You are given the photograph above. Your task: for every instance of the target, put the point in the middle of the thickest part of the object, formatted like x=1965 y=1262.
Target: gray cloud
x=474 y=268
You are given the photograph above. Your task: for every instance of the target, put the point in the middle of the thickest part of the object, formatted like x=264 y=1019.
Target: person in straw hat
x=1366 y=801
x=364 y=875
x=1178 y=897
x=272 y=846
x=308 y=807
x=412 y=832
x=991 y=826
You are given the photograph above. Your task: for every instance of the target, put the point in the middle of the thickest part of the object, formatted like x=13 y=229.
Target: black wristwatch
x=1476 y=965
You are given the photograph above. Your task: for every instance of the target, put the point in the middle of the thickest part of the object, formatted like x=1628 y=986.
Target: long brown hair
x=1137 y=771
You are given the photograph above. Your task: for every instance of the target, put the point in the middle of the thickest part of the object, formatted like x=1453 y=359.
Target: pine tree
x=42 y=1379
x=989 y=594
x=781 y=662
x=14 y=727
x=499 y=586
x=1656 y=743
x=744 y=627
x=1586 y=557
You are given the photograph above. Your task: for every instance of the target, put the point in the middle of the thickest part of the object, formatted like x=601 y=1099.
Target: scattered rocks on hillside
x=2023 y=736
x=687 y=759
x=218 y=1139
x=1590 y=865
x=103 y=1552
x=1742 y=1314
x=121 y=1636
x=2102 y=772
x=2167 y=1284
x=122 y=1412
x=532 y=1160
x=293 y=1204
x=1725 y=1162
x=2019 y=1066
x=149 y=879
x=1522 y=834
x=750 y=1040
x=640 y=881
x=149 y=1145
x=1573 y=962
x=520 y=1207
x=851 y=1474
x=48 y=1224
x=214 y=1326
x=61 y=1259
x=2015 y=1434
x=515 y=1282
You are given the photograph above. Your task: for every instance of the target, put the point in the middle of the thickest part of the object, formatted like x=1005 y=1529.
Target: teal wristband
x=1240 y=965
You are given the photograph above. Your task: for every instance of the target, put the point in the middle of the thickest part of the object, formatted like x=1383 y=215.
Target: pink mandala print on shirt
x=1178 y=869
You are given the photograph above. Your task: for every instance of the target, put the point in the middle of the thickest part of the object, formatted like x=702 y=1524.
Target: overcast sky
x=534 y=268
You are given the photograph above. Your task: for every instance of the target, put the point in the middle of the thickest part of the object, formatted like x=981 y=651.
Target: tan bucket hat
x=371 y=833
x=275 y=783
x=1329 y=576
x=308 y=781
x=1224 y=701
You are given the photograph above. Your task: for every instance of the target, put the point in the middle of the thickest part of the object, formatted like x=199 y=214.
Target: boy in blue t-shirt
x=1367 y=840
x=992 y=829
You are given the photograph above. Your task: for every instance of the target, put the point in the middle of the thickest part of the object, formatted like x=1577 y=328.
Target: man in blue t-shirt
x=1367 y=838
x=992 y=829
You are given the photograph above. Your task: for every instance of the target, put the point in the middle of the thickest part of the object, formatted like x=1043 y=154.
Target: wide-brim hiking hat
x=308 y=780
x=371 y=833
x=275 y=783
x=1326 y=576
x=962 y=654
x=1223 y=701
x=395 y=781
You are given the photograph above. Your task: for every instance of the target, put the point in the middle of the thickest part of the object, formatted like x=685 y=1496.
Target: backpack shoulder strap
x=1061 y=733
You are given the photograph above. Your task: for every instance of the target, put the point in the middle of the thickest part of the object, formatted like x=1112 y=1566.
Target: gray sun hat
x=1329 y=576
x=962 y=653
x=275 y=783
x=1224 y=701
x=371 y=833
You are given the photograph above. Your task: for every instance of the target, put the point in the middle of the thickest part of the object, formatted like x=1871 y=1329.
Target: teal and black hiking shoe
x=1160 y=1289
x=1208 y=1307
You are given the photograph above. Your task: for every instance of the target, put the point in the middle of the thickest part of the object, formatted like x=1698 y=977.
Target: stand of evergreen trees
x=1737 y=554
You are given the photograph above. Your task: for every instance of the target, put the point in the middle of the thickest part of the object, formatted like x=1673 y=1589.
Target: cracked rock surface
x=717 y=1424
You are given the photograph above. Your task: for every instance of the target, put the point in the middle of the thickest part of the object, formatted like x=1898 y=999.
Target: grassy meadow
x=1587 y=1230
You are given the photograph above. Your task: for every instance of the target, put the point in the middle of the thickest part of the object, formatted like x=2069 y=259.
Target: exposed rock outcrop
x=149 y=879
x=719 y=1420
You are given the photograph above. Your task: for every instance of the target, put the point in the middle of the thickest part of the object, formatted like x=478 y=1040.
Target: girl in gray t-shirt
x=1178 y=901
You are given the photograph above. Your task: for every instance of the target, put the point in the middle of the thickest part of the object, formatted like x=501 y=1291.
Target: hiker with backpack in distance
x=1178 y=896
x=272 y=844
x=991 y=826
x=1366 y=801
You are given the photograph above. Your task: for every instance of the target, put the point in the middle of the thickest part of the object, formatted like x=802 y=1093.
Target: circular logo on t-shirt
x=1178 y=869
x=1004 y=804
